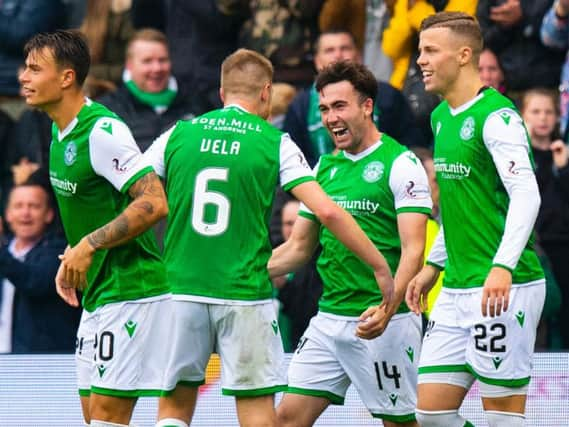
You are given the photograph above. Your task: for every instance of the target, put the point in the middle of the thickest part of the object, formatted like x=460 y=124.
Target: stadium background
x=39 y=391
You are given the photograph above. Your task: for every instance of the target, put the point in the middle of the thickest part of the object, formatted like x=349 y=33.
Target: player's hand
x=419 y=287
x=75 y=262
x=507 y=14
x=279 y=282
x=66 y=292
x=560 y=153
x=386 y=285
x=373 y=322
x=496 y=292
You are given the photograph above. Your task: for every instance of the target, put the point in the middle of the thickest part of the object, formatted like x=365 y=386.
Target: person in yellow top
x=399 y=38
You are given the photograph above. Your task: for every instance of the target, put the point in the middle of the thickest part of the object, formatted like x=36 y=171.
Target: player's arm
x=506 y=139
x=412 y=199
x=128 y=173
x=297 y=250
x=346 y=229
x=423 y=282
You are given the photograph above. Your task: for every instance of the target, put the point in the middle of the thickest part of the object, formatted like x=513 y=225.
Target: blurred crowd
x=157 y=61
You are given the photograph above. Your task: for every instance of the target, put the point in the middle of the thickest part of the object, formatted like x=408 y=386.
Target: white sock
x=97 y=423
x=505 y=419
x=171 y=422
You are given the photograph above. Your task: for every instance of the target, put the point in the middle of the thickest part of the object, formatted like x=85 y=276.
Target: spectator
x=108 y=27
x=284 y=32
x=555 y=34
x=538 y=108
x=491 y=73
x=41 y=321
x=400 y=37
x=348 y=14
x=6 y=148
x=201 y=34
x=511 y=29
x=299 y=291
x=19 y=20
x=303 y=120
x=148 y=100
x=283 y=94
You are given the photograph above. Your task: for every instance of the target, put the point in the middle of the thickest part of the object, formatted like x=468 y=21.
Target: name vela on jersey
x=220 y=146
x=223 y=124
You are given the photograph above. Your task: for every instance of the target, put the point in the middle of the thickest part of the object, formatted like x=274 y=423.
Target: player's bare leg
x=110 y=408
x=256 y=411
x=297 y=410
x=180 y=404
x=85 y=408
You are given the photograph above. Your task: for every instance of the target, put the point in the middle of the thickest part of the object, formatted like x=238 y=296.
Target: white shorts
x=330 y=357
x=496 y=350
x=120 y=348
x=246 y=337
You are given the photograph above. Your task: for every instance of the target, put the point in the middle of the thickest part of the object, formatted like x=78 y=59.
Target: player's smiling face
x=438 y=59
x=41 y=79
x=344 y=114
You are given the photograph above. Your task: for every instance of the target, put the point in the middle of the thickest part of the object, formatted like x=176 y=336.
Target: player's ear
x=221 y=95
x=465 y=55
x=67 y=78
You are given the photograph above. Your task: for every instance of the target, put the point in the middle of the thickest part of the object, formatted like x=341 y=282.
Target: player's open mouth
x=340 y=131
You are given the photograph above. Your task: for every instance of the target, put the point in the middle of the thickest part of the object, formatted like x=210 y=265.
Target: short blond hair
x=245 y=72
x=461 y=24
x=146 y=35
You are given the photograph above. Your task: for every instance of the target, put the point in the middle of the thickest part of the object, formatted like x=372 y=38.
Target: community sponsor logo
x=373 y=172
x=467 y=129
x=451 y=170
x=70 y=153
x=63 y=187
x=357 y=207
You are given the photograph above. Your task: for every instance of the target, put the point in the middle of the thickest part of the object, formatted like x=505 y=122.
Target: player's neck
x=464 y=89
x=371 y=136
x=64 y=111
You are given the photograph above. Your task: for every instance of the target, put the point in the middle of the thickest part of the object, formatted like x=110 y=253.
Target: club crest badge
x=70 y=153
x=467 y=129
x=373 y=172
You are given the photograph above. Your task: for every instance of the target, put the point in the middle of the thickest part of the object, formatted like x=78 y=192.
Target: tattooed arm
x=147 y=207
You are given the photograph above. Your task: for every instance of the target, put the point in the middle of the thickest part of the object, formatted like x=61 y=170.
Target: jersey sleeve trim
x=505 y=267
x=415 y=209
x=135 y=178
x=291 y=184
x=308 y=215
x=434 y=264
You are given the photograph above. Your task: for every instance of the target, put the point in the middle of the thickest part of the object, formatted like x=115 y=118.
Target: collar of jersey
x=63 y=133
x=362 y=154
x=239 y=107
x=456 y=111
